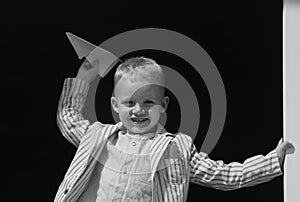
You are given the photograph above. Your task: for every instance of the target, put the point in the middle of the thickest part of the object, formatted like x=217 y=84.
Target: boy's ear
x=114 y=104
x=165 y=103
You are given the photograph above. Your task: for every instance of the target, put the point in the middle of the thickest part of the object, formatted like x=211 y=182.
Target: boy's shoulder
x=179 y=136
x=105 y=130
x=179 y=141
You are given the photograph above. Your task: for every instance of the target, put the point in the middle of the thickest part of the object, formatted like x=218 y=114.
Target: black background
x=244 y=39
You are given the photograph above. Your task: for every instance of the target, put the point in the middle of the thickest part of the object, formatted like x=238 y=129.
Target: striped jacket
x=170 y=178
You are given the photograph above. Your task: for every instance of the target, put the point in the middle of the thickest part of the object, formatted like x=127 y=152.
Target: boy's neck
x=149 y=134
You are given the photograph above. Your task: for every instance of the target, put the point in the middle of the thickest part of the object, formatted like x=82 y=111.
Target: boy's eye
x=129 y=103
x=149 y=102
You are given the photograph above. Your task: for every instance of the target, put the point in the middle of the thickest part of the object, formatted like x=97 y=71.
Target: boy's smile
x=139 y=104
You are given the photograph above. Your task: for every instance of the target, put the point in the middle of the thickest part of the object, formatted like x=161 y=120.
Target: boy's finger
x=290 y=149
x=280 y=141
x=104 y=59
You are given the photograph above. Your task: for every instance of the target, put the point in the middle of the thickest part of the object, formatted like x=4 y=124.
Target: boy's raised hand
x=283 y=148
x=87 y=71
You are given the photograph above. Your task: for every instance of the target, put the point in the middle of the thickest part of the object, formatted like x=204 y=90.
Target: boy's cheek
x=154 y=114
x=156 y=110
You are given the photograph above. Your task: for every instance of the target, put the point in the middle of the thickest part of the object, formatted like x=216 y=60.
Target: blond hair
x=139 y=67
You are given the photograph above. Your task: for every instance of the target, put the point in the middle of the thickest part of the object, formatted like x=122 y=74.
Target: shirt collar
x=160 y=130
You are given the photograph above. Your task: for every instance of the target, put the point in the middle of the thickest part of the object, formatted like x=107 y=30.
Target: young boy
x=137 y=159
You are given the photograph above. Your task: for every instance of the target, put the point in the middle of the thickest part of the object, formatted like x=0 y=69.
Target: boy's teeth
x=138 y=119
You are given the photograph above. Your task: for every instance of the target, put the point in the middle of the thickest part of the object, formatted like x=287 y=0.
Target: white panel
x=291 y=84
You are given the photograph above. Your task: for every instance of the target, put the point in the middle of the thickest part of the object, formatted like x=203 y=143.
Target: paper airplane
x=103 y=59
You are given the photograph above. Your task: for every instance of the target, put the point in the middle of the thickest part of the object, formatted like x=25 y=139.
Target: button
x=124 y=171
x=133 y=143
x=66 y=191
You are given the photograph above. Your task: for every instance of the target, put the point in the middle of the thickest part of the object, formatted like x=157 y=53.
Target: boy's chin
x=138 y=130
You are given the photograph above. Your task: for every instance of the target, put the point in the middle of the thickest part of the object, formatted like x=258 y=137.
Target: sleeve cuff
x=275 y=161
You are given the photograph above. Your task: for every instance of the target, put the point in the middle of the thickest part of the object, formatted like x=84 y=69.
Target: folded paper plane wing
x=97 y=56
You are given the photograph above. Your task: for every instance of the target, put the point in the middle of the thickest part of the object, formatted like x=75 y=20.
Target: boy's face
x=139 y=104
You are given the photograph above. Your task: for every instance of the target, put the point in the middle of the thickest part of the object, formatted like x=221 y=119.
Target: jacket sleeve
x=69 y=114
x=216 y=174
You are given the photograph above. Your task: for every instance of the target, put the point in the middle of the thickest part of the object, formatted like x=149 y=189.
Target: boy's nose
x=137 y=109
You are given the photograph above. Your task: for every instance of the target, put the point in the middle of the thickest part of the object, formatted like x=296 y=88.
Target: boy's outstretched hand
x=284 y=148
x=87 y=71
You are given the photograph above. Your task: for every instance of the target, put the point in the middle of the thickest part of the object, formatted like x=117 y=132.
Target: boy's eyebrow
x=126 y=99
x=145 y=98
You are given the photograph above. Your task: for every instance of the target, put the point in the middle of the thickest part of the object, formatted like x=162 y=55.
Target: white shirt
x=126 y=175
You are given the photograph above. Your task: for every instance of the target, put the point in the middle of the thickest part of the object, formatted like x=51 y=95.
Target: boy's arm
x=216 y=174
x=69 y=114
